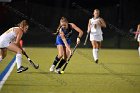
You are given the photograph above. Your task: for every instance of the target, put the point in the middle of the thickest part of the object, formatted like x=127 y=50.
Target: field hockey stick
x=36 y=66
x=69 y=59
x=86 y=38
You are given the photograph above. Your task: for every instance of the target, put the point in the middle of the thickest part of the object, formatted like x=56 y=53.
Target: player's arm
x=18 y=38
x=89 y=28
x=78 y=30
x=64 y=39
x=102 y=23
x=138 y=29
x=137 y=32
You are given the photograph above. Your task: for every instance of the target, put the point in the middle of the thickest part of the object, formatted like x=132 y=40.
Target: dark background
x=44 y=16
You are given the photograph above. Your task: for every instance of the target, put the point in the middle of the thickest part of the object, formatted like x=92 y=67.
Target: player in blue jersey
x=63 y=42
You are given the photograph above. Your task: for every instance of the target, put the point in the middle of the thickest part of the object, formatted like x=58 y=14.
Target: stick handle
x=64 y=66
x=69 y=57
x=86 y=39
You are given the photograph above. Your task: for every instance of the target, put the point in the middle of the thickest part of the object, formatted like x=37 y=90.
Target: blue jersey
x=67 y=33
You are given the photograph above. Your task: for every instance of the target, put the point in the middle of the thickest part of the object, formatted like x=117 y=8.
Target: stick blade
x=84 y=44
x=36 y=66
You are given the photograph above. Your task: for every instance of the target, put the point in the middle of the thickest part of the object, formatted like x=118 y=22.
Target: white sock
x=0 y=59
x=95 y=53
x=18 y=60
x=139 y=50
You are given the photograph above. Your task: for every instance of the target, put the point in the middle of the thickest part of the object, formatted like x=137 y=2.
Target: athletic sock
x=62 y=62
x=56 y=60
x=95 y=53
x=139 y=51
x=18 y=60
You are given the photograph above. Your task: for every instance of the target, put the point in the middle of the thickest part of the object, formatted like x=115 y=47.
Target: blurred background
x=121 y=16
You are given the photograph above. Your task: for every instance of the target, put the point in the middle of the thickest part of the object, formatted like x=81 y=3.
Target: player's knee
x=3 y=56
x=65 y=58
x=19 y=51
x=60 y=56
x=94 y=46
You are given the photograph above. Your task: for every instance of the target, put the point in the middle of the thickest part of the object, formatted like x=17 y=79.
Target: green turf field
x=118 y=71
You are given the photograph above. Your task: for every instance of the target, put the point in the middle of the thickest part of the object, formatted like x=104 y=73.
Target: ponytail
x=58 y=28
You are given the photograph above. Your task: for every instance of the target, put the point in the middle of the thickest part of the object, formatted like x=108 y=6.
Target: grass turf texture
x=118 y=71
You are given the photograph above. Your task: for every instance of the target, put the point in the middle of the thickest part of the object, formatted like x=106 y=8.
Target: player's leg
x=99 y=45
x=138 y=39
x=3 y=53
x=14 y=48
x=58 y=57
x=63 y=60
x=139 y=49
x=95 y=50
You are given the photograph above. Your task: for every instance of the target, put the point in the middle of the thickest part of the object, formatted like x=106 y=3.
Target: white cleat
x=57 y=71
x=52 y=68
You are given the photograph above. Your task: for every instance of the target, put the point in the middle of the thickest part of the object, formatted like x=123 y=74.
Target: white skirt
x=3 y=43
x=96 y=37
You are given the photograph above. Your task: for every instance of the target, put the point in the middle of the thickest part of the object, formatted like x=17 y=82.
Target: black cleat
x=21 y=69
x=96 y=61
x=58 y=71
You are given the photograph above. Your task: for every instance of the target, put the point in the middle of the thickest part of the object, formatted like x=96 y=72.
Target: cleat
x=52 y=68
x=58 y=71
x=21 y=69
x=24 y=68
x=96 y=61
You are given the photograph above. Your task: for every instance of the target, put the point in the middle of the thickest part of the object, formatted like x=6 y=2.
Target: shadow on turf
x=29 y=85
x=111 y=71
x=50 y=75
x=123 y=64
x=103 y=74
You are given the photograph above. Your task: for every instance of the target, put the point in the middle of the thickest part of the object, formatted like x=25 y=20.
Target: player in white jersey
x=11 y=40
x=94 y=28
x=137 y=36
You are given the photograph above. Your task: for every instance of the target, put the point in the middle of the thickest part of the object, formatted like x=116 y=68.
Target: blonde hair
x=63 y=19
x=23 y=23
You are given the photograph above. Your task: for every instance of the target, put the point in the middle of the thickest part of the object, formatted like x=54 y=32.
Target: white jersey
x=95 y=27
x=7 y=37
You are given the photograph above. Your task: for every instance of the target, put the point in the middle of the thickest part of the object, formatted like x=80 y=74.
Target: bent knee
x=3 y=56
x=19 y=51
x=60 y=56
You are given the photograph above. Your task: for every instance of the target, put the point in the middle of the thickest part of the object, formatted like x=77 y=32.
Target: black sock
x=62 y=62
x=56 y=60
